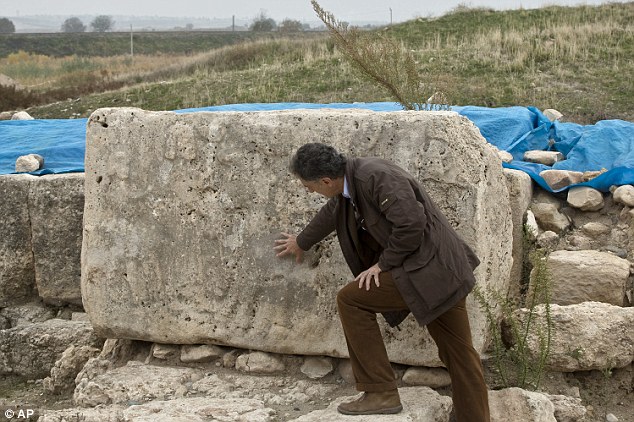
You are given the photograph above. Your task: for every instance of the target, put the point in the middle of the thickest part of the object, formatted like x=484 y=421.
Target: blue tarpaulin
x=607 y=145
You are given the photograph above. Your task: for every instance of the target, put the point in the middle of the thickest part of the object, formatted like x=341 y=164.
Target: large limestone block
x=588 y=275
x=586 y=336
x=182 y=211
x=56 y=204
x=17 y=276
x=31 y=350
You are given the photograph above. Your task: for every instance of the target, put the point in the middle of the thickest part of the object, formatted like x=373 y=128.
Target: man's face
x=325 y=186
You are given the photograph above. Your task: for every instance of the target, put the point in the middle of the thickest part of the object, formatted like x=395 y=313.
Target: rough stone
x=259 y=363
x=429 y=377
x=195 y=221
x=595 y=230
x=17 y=274
x=624 y=195
x=548 y=240
x=549 y=218
x=56 y=205
x=200 y=353
x=505 y=156
x=21 y=115
x=515 y=404
x=520 y=187
x=5 y=115
x=587 y=275
x=421 y=404
x=315 y=367
x=133 y=383
x=97 y=414
x=27 y=314
x=200 y=409
x=568 y=409
x=585 y=198
x=582 y=333
x=32 y=350
x=553 y=114
x=532 y=229
x=65 y=371
x=547 y=158
x=344 y=369
x=28 y=163
x=165 y=351
x=559 y=179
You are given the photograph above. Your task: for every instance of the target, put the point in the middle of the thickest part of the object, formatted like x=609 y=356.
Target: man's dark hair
x=314 y=161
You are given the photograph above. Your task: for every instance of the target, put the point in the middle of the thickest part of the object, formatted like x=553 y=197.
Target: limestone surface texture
x=17 y=275
x=586 y=276
x=182 y=210
x=56 y=204
x=580 y=335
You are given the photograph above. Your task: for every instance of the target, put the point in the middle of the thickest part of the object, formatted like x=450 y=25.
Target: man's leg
x=452 y=335
x=370 y=364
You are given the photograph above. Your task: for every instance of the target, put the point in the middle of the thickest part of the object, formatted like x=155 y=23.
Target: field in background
x=579 y=60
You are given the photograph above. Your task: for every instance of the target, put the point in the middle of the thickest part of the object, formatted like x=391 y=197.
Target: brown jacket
x=431 y=265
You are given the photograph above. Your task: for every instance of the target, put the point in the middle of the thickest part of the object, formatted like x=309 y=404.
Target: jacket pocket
x=434 y=282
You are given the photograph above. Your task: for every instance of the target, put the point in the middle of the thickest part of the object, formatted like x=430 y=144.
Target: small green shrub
x=516 y=364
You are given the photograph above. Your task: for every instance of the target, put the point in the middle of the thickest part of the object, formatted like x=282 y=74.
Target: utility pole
x=233 y=23
x=390 y=16
x=131 y=42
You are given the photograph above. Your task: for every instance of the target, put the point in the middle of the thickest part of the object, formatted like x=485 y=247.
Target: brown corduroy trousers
x=451 y=332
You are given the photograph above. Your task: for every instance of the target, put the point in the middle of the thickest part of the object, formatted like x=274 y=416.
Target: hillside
x=575 y=59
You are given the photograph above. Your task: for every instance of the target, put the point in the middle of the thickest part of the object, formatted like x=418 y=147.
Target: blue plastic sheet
x=607 y=145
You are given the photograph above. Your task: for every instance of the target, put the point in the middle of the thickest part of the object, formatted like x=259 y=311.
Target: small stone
x=29 y=163
x=430 y=377
x=624 y=195
x=316 y=367
x=345 y=371
x=22 y=115
x=259 y=363
x=549 y=218
x=594 y=229
x=505 y=156
x=611 y=418
x=548 y=240
x=547 y=158
x=200 y=354
x=229 y=359
x=552 y=114
x=164 y=351
x=559 y=179
x=585 y=198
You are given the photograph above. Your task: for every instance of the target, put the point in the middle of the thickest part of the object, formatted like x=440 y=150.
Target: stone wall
x=182 y=211
x=40 y=238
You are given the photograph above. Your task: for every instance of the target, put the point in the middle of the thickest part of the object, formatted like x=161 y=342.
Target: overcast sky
x=346 y=10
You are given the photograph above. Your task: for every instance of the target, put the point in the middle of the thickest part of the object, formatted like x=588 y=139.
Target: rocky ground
x=283 y=396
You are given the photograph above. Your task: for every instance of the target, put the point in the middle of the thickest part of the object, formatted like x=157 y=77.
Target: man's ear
x=326 y=181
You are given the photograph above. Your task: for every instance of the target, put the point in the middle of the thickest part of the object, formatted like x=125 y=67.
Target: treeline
x=116 y=43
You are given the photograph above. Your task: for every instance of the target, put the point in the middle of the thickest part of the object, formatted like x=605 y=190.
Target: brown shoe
x=383 y=403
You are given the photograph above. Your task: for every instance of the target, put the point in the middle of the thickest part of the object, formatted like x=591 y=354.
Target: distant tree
x=263 y=23
x=102 y=23
x=73 y=25
x=289 y=25
x=189 y=27
x=6 y=26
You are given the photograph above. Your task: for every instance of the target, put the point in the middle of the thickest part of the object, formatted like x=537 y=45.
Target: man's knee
x=345 y=295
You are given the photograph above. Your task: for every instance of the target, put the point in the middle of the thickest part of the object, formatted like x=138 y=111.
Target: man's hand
x=288 y=246
x=366 y=277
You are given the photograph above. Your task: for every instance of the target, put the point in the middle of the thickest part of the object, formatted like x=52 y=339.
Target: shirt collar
x=346 y=192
